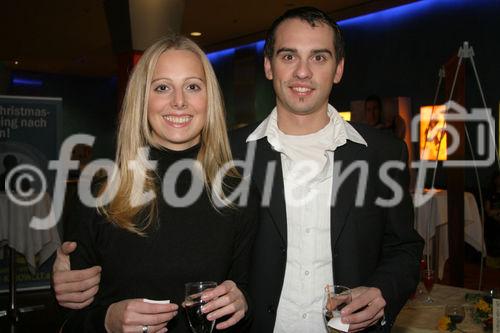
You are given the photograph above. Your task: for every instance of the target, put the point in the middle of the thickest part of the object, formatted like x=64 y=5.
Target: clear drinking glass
x=455 y=312
x=193 y=305
x=336 y=297
x=428 y=279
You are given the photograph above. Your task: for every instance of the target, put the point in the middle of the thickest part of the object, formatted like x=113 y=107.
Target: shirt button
x=308 y=230
x=304 y=315
x=306 y=273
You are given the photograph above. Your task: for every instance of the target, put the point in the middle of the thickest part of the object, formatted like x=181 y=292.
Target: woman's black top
x=193 y=243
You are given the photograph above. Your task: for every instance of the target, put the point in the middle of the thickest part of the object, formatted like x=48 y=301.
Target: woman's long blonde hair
x=134 y=132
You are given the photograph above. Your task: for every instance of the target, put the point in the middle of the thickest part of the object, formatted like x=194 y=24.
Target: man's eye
x=288 y=57
x=319 y=57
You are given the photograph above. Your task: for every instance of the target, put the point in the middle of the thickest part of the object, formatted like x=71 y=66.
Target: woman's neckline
x=187 y=151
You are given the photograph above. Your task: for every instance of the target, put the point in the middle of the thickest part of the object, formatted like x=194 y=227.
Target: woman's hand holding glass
x=225 y=300
x=132 y=315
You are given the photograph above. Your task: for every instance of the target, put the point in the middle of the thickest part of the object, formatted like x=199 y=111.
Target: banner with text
x=29 y=139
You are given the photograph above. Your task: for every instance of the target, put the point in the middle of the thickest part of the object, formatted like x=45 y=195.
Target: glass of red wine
x=422 y=267
x=428 y=281
x=193 y=305
x=456 y=313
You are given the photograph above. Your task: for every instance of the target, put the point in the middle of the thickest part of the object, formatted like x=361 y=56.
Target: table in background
x=435 y=212
x=37 y=245
x=419 y=317
x=15 y=230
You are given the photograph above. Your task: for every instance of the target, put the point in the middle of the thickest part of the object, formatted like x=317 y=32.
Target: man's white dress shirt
x=307 y=165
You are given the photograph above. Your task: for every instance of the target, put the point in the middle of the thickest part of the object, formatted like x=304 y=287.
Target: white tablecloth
x=16 y=232
x=433 y=216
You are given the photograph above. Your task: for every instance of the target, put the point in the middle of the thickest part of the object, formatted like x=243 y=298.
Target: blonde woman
x=160 y=226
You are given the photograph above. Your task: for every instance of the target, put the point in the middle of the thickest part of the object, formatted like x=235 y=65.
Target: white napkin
x=337 y=323
x=152 y=301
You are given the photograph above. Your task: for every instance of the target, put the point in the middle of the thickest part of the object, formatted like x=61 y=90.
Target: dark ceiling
x=72 y=37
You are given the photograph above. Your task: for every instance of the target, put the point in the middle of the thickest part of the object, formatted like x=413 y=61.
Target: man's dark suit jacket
x=371 y=245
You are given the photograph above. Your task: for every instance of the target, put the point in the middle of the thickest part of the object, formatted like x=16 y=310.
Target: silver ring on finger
x=144 y=328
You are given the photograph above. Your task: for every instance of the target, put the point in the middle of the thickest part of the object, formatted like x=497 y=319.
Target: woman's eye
x=193 y=87
x=161 y=88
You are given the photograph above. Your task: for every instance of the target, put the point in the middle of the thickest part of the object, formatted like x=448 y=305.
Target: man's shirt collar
x=342 y=131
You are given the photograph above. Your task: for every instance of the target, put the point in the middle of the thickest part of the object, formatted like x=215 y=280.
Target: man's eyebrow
x=292 y=50
x=322 y=51
x=286 y=49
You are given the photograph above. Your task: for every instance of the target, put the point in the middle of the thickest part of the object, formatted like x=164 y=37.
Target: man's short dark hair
x=313 y=16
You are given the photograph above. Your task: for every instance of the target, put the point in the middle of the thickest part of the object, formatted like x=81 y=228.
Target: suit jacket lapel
x=346 y=194
x=265 y=154
x=343 y=157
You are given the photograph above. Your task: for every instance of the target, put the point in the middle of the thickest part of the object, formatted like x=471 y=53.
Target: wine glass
x=336 y=297
x=456 y=313
x=422 y=267
x=428 y=280
x=194 y=305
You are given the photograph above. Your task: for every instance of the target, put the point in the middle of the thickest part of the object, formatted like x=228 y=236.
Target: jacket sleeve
x=247 y=219
x=82 y=229
x=397 y=274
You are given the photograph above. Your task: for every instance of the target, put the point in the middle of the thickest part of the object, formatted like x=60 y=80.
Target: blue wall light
x=390 y=15
x=217 y=56
x=22 y=81
x=408 y=11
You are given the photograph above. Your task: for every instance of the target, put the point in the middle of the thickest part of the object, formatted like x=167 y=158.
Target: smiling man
x=302 y=76
x=313 y=232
